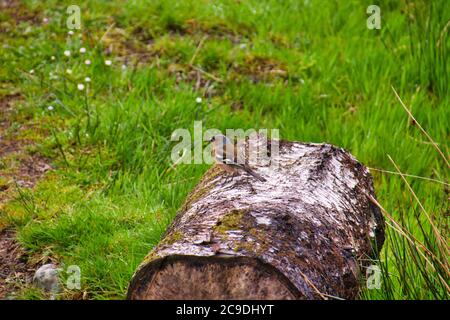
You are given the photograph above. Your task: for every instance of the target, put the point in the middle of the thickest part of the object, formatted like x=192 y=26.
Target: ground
x=14 y=270
x=22 y=168
x=86 y=176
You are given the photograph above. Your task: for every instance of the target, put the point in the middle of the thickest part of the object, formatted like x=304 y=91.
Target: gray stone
x=46 y=278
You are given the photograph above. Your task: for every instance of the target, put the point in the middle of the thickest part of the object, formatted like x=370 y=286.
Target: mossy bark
x=306 y=233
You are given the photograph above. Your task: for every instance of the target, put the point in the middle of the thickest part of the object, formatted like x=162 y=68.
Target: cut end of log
x=217 y=278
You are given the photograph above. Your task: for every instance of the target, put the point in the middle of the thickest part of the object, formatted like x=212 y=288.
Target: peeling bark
x=306 y=233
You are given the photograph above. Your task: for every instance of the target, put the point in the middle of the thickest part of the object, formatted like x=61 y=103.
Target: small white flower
x=52 y=58
x=108 y=62
x=198 y=100
x=124 y=67
x=82 y=50
x=69 y=71
x=80 y=86
x=87 y=79
x=31 y=71
x=88 y=62
x=67 y=53
x=45 y=20
x=50 y=108
x=70 y=33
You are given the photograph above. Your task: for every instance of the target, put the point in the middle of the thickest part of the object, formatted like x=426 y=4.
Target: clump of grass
x=418 y=265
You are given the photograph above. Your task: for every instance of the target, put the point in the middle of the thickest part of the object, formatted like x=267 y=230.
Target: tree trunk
x=305 y=233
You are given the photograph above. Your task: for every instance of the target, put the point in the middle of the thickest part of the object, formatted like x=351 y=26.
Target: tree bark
x=305 y=233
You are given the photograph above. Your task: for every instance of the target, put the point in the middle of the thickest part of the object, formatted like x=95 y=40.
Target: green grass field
x=311 y=69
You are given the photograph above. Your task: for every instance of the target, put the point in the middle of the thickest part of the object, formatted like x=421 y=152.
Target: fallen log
x=305 y=233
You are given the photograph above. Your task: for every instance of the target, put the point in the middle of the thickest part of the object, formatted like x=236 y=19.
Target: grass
x=309 y=68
